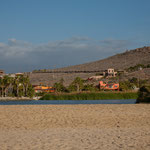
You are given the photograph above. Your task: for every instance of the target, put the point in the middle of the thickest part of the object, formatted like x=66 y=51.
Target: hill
x=119 y=61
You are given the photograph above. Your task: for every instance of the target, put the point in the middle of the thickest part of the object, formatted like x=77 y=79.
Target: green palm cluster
x=78 y=85
x=16 y=86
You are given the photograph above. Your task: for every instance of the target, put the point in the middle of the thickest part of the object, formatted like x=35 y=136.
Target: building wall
x=112 y=86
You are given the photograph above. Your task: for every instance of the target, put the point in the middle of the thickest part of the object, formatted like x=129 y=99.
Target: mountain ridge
x=119 y=61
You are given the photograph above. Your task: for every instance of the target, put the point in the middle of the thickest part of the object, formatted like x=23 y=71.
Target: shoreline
x=38 y=98
x=18 y=98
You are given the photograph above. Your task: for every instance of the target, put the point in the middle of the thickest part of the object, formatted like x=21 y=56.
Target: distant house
x=108 y=86
x=95 y=77
x=45 y=89
x=109 y=73
x=12 y=75
x=105 y=73
x=2 y=72
x=19 y=74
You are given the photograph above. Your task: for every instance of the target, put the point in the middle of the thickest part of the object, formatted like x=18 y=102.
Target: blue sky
x=68 y=32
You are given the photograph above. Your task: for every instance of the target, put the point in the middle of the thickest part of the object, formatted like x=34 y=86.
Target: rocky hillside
x=120 y=61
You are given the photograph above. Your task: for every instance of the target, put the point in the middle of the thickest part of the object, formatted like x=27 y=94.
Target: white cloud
x=2 y=45
x=15 y=48
x=71 y=51
x=12 y=41
x=116 y=44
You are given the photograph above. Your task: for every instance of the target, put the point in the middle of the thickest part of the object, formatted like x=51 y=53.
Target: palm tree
x=7 y=82
x=2 y=86
x=16 y=85
x=26 y=84
x=22 y=82
x=78 y=83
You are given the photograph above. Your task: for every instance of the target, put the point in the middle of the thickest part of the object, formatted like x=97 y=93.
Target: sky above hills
x=45 y=34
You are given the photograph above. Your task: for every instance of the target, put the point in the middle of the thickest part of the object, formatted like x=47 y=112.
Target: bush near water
x=144 y=94
x=90 y=96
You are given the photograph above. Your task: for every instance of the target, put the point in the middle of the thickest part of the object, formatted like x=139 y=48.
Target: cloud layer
x=22 y=56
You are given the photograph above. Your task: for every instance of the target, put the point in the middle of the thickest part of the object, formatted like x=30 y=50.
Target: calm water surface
x=66 y=102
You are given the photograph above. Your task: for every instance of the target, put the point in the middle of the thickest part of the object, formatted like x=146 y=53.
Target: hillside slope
x=119 y=61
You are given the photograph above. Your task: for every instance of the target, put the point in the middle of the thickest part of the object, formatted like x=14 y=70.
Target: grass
x=91 y=96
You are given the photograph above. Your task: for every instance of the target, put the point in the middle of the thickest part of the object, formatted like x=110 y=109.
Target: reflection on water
x=66 y=102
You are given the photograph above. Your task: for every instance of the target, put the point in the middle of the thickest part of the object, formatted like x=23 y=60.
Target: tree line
x=79 y=85
x=17 y=86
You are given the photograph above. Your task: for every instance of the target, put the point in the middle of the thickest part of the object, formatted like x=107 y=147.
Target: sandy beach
x=75 y=127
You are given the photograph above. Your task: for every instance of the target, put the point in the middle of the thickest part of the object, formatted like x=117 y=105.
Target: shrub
x=144 y=95
x=90 y=96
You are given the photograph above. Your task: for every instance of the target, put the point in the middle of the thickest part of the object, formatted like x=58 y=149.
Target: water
x=66 y=102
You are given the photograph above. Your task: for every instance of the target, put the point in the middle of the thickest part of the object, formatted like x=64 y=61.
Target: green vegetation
x=59 y=86
x=80 y=85
x=90 y=96
x=79 y=89
x=76 y=85
x=16 y=86
x=137 y=67
x=132 y=84
x=90 y=87
x=40 y=70
x=144 y=94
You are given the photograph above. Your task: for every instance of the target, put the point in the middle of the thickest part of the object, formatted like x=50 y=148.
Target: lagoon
x=66 y=102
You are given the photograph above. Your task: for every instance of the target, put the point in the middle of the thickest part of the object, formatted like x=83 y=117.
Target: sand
x=75 y=127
